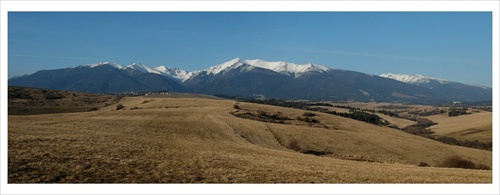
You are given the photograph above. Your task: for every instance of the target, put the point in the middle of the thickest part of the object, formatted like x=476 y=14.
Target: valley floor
x=195 y=140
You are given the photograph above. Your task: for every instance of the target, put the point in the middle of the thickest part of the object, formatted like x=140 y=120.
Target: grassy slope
x=475 y=126
x=197 y=140
x=26 y=100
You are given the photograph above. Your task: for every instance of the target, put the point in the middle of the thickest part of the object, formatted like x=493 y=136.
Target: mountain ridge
x=413 y=79
x=276 y=66
x=257 y=78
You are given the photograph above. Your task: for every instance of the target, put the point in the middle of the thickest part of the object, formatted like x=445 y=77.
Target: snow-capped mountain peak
x=143 y=68
x=165 y=69
x=115 y=65
x=279 y=67
x=412 y=79
x=288 y=68
x=175 y=73
x=226 y=66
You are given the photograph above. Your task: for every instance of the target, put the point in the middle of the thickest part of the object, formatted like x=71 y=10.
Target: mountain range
x=256 y=78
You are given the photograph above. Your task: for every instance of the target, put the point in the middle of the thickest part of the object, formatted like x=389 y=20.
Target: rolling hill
x=198 y=140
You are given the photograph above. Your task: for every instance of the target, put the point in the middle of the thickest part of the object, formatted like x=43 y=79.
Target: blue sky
x=449 y=45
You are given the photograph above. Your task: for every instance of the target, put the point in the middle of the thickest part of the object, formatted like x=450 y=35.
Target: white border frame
x=485 y=5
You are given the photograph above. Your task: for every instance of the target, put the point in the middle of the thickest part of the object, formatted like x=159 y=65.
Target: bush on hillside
x=457 y=112
x=309 y=114
x=119 y=107
x=425 y=122
x=294 y=145
x=458 y=162
x=52 y=95
x=261 y=113
x=423 y=164
x=307 y=119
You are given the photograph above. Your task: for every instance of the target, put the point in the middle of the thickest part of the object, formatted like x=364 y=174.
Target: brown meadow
x=199 y=140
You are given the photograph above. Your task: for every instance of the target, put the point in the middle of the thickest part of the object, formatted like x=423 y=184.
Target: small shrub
x=261 y=113
x=294 y=145
x=423 y=164
x=316 y=153
x=52 y=95
x=236 y=106
x=458 y=162
x=308 y=114
x=119 y=107
x=307 y=119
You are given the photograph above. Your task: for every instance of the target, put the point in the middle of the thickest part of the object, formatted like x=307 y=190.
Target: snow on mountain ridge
x=279 y=67
x=288 y=68
x=176 y=73
x=226 y=66
x=115 y=65
x=143 y=68
x=412 y=79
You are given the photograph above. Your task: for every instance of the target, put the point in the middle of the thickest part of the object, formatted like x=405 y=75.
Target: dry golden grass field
x=200 y=140
x=474 y=126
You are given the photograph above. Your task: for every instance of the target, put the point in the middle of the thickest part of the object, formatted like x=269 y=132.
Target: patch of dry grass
x=480 y=133
x=475 y=126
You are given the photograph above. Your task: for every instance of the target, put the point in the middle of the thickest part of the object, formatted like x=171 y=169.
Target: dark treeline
x=427 y=112
x=383 y=111
x=457 y=112
x=355 y=113
x=421 y=128
x=361 y=116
